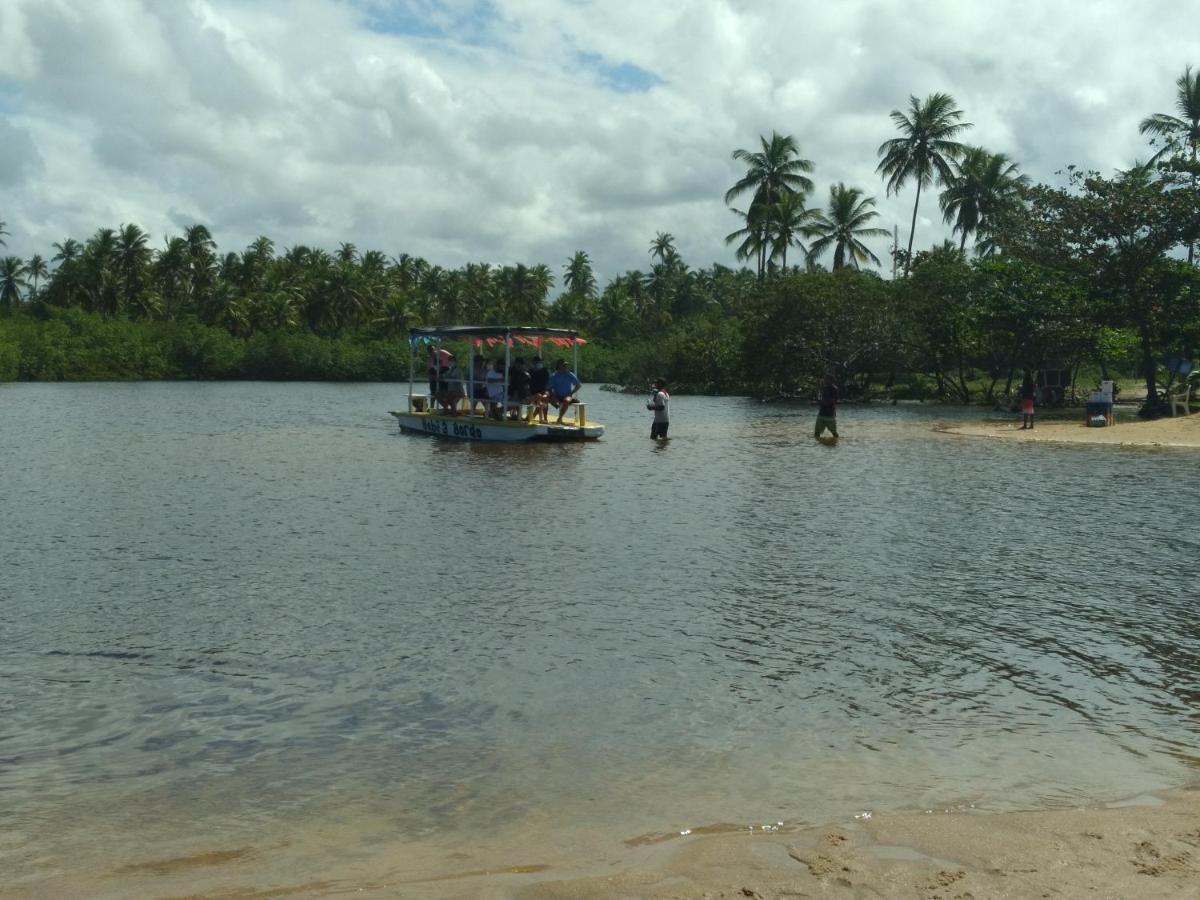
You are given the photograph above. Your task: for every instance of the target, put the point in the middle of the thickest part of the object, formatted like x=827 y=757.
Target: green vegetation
x=1089 y=277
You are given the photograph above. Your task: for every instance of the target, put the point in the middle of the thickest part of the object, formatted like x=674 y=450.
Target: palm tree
x=100 y=287
x=202 y=259
x=68 y=251
x=37 y=269
x=663 y=247
x=773 y=171
x=788 y=220
x=1183 y=129
x=3 y=232
x=578 y=278
x=752 y=234
x=981 y=186
x=133 y=260
x=12 y=281
x=923 y=151
x=843 y=226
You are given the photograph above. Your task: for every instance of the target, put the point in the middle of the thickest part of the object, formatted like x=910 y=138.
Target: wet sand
x=1151 y=850
x=1183 y=431
x=1146 y=847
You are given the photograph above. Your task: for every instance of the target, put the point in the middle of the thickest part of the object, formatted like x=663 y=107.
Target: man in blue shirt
x=564 y=385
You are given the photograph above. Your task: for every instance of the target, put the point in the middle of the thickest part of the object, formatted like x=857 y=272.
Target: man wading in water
x=660 y=401
x=827 y=410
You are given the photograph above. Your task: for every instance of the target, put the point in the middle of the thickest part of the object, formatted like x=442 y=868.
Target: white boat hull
x=476 y=428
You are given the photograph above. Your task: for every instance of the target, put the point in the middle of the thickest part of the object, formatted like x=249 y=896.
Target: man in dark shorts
x=518 y=386
x=827 y=410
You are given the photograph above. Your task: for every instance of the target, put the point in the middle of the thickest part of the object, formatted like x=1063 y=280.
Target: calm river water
x=254 y=621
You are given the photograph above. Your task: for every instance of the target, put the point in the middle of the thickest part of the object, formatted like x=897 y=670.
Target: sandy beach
x=1149 y=848
x=1145 y=847
x=1183 y=431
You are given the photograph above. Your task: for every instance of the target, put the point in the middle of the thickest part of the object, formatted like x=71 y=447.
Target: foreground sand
x=1127 y=852
x=1179 y=432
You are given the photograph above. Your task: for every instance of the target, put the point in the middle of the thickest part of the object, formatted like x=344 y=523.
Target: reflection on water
x=233 y=610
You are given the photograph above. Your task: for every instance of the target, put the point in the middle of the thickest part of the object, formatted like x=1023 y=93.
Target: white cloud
x=522 y=130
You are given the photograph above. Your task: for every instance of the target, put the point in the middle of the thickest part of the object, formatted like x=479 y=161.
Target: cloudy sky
x=523 y=130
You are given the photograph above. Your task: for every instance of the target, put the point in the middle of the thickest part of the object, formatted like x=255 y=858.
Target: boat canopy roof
x=455 y=332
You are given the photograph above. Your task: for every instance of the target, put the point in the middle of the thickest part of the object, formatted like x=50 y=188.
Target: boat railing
x=466 y=408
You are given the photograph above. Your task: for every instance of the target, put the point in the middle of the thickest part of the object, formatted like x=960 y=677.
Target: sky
x=509 y=131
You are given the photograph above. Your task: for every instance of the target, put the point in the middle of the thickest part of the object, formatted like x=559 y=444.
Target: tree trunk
x=1148 y=362
x=912 y=230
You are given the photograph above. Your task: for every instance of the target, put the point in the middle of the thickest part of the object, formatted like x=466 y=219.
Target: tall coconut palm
x=771 y=172
x=12 y=281
x=2 y=233
x=578 y=278
x=132 y=257
x=981 y=186
x=751 y=238
x=37 y=269
x=843 y=226
x=1182 y=131
x=68 y=251
x=924 y=150
x=99 y=281
x=788 y=220
x=663 y=247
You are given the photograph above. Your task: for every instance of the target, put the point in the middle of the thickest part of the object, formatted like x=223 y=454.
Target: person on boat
x=539 y=391
x=564 y=385
x=495 y=389
x=518 y=386
x=478 y=389
x=453 y=388
x=660 y=402
x=440 y=361
x=827 y=400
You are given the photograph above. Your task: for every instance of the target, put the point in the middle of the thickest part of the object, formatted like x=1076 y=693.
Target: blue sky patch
x=431 y=19
x=625 y=78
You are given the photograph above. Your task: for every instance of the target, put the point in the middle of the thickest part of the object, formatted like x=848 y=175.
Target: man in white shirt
x=660 y=402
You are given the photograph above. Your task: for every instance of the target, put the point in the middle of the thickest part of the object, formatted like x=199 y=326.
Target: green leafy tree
x=1112 y=234
x=982 y=186
x=843 y=227
x=924 y=150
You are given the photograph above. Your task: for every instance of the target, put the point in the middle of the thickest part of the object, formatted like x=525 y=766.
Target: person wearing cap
x=564 y=385
x=660 y=402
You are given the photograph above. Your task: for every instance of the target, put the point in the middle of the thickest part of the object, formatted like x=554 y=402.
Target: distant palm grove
x=1097 y=277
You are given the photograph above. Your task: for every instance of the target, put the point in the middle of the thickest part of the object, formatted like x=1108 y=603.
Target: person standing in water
x=1028 y=392
x=827 y=400
x=660 y=402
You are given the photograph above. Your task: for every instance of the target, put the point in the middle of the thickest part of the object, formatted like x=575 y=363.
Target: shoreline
x=1181 y=432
